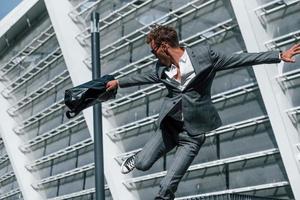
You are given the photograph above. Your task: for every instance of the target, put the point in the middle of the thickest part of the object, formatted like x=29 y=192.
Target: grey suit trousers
x=172 y=134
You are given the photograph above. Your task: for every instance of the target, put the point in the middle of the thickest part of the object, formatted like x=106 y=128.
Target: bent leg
x=157 y=146
x=188 y=148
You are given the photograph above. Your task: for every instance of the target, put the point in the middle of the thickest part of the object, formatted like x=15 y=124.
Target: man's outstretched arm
x=133 y=80
x=222 y=61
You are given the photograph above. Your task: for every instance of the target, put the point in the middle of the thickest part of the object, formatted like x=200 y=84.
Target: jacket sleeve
x=222 y=61
x=139 y=79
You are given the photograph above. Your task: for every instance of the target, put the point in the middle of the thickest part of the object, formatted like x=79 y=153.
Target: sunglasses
x=153 y=51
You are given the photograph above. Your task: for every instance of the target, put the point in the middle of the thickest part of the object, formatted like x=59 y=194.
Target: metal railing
x=241 y=90
x=26 y=51
x=85 y=168
x=116 y=132
x=39 y=116
x=237 y=190
x=293 y=112
x=141 y=32
x=10 y=193
x=57 y=130
x=274 y=6
x=82 y=8
x=130 y=183
x=219 y=29
x=239 y=125
x=78 y=194
x=36 y=69
x=74 y=195
x=6 y=176
x=283 y=40
x=153 y=89
x=233 y=197
x=60 y=153
x=285 y=78
x=3 y=159
x=39 y=92
x=112 y=18
x=288 y=76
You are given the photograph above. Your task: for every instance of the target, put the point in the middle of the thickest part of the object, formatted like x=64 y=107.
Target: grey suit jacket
x=198 y=111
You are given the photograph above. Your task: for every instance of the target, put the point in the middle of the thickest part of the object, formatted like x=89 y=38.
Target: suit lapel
x=195 y=64
x=194 y=60
x=200 y=63
x=163 y=76
x=160 y=71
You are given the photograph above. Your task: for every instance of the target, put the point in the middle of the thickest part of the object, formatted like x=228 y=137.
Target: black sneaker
x=128 y=165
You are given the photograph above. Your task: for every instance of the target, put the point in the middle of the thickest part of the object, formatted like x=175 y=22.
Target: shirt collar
x=172 y=68
x=184 y=56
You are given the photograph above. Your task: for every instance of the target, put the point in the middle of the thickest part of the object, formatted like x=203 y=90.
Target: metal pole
x=97 y=110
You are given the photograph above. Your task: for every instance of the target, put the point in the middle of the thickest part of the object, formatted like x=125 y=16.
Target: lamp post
x=97 y=110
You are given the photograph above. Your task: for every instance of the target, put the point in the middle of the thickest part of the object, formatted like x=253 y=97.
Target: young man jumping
x=187 y=112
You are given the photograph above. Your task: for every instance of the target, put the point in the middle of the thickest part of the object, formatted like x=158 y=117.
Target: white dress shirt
x=187 y=73
x=186 y=70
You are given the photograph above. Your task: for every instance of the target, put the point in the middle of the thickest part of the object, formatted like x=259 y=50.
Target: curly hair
x=160 y=34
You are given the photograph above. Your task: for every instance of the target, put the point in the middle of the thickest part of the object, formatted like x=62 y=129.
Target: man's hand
x=287 y=55
x=110 y=85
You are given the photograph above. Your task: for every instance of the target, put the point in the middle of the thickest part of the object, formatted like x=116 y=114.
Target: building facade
x=45 y=49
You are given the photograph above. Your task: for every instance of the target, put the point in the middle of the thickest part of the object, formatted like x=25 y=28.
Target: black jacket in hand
x=88 y=94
